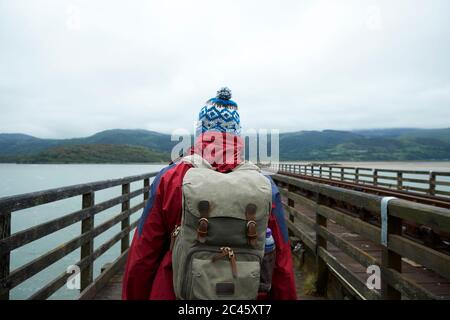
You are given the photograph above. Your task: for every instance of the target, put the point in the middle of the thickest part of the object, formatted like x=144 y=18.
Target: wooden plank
x=303 y=219
x=23 y=237
x=321 y=243
x=28 y=270
x=396 y=279
x=435 y=260
x=302 y=235
x=350 y=280
x=422 y=181
x=27 y=200
x=387 y=178
x=90 y=292
x=399 y=181
x=146 y=190
x=359 y=199
x=443 y=183
x=5 y=231
x=442 y=192
x=291 y=203
x=391 y=259
x=355 y=225
x=432 y=184
x=434 y=217
x=410 y=188
x=298 y=198
x=302 y=184
x=125 y=243
x=58 y=282
x=428 y=257
x=87 y=248
x=113 y=289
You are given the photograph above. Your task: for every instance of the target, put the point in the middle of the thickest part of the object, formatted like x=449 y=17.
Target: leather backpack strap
x=202 y=230
x=250 y=215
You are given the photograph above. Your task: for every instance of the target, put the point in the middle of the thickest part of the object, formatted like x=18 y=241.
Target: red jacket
x=148 y=273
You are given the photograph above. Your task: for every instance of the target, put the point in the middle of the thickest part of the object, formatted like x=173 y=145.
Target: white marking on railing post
x=384 y=219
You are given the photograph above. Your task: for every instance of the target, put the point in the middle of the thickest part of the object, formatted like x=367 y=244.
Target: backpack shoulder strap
x=247 y=165
x=197 y=161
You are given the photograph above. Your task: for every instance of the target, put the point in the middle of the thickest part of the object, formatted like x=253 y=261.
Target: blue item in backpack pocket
x=270 y=242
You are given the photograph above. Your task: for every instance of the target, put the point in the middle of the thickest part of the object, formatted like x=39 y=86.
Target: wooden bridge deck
x=113 y=289
x=431 y=281
x=436 y=284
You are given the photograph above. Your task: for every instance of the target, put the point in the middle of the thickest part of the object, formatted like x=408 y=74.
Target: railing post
x=146 y=193
x=312 y=170
x=432 y=187
x=125 y=243
x=356 y=175
x=5 y=232
x=320 y=171
x=375 y=177
x=342 y=174
x=291 y=204
x=321 y=242
x=399 y=180
x=392 y=260
x=330 y=173
x=87 y=274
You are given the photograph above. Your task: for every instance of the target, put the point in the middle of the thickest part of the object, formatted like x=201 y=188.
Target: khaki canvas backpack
x=218 y=248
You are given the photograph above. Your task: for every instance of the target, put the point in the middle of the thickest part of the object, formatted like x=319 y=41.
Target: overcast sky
x=72 y=68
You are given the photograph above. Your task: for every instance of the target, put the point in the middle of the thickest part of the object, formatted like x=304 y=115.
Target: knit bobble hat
x=220 y=114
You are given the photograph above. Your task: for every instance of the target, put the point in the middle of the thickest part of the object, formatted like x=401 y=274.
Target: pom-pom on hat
x=220 y=114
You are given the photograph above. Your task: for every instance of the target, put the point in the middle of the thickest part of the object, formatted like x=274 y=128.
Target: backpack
x=218 y=249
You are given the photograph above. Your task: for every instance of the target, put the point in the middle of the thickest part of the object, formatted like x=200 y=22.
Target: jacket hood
x=222 y=150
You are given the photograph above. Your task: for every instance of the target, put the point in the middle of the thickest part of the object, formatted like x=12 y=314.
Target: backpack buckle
x=202 y=230
x=250 y=215
x=174 y=235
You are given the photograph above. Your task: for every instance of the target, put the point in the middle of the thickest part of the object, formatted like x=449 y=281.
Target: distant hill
x=367 y=145
x=408 y=133
x=15 y=144
x=98 y=153
x=120 y=145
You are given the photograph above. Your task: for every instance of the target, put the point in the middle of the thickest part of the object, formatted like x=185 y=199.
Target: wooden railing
x=89 y=208
x=359 y=213
x=424 y=182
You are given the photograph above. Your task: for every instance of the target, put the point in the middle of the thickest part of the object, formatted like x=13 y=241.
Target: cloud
x=74 y=68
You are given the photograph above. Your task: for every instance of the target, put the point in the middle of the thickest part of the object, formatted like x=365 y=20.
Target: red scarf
x=222 y=150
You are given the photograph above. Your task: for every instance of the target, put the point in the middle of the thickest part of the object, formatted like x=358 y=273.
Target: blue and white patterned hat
x=220 y=114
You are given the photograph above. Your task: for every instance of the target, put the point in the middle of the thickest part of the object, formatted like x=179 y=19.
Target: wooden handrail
x=430 y=182
x=8 y=242
x=32 y=199
x=333 y=203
